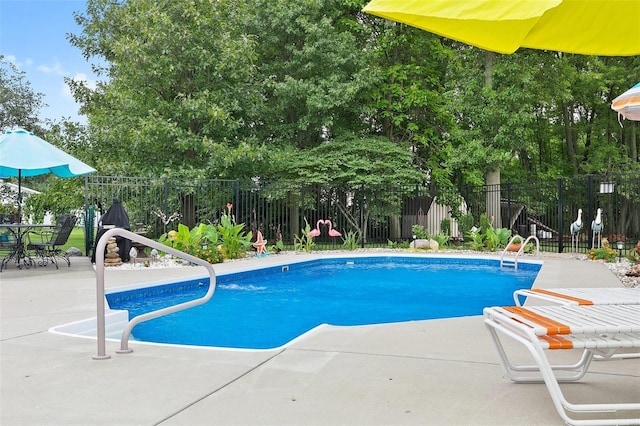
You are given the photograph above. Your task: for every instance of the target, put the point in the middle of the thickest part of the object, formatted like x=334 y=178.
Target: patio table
x=18 y=252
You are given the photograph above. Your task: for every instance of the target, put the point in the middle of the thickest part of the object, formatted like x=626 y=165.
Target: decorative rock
x=73 y=252
x=112 y=258
x=420 y=244
x=425 y=244
x=634 y=271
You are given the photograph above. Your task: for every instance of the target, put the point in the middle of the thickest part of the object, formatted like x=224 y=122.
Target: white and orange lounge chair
x=592 y=329
x=584 y=296
x=581 y=296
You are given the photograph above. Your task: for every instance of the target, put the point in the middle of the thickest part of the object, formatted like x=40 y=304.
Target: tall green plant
x=442 y=239
x=184 y=239
x=420 y=232
x=234 y=241
x=465 y=223
x=304 y=242
x=351 y=240
x=487 y=237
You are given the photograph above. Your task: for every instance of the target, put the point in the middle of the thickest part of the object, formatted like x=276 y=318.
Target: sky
x=33 y=37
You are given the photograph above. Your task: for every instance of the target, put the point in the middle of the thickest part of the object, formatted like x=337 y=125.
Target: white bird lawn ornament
x=575 y=231
x=596 y=229
x=133 y=253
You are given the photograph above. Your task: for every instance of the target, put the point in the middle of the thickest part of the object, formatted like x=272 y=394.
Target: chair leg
x=57 y=253
x=5 y=261
x=64 y=256
x=52 y=255
x=46 y=256
x=41 y=256
x=572 y=372
x=552 y=382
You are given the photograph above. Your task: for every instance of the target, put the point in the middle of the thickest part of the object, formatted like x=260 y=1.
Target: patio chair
x=8 y=245
x=581 y=296
x=49 y=246
x=593 y=329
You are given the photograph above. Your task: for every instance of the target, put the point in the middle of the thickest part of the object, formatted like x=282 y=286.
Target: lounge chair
x=594 y=329
x=585 y=296
x=581 y=296
x=49 y=246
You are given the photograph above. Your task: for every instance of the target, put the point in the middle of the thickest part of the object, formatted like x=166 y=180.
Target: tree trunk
x=188 y=210
x=633 y=145
x=492 y=177
x=395 y=232
x=568 y=135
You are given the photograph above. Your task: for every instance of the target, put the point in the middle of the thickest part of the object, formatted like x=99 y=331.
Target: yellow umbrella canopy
x=588 y=27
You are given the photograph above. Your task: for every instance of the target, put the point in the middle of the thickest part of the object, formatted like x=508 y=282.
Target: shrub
x=233 y=240
x=351 y=240
x=445 y=226
x=420 y=232
x=214 y=243
x=304 y=242
x=603 y=253
x=487 y=237
x=441 y=239
x=465 y=223
x=210 y=254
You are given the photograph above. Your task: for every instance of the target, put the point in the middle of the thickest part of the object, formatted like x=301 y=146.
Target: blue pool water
x=270 y=307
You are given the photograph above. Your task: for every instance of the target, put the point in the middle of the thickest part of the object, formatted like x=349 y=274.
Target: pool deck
x=438 y=372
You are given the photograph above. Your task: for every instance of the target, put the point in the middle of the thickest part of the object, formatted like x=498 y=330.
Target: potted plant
x=516 y=244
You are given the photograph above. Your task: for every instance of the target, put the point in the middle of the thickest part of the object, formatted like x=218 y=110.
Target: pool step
x=513 y=263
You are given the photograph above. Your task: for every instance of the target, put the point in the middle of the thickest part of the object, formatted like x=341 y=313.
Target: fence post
x=415 y=205
x=237 y=196
x=165 y=202
x=301 y=208
x=362 y=206
x=509 y=206
x=590 y=215
x=560 y=208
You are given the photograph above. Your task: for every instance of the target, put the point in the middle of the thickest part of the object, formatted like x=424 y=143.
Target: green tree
x=215 y=89
x=357 y=168
x=62 y=195
x=312 y=66
x=19 y=104
x=179 y=77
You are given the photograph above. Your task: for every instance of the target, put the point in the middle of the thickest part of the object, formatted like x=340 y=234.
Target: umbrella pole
x=19 y=195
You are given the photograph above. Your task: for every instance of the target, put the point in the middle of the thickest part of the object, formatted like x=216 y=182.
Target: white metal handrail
x=521 y=250
x=100 y=296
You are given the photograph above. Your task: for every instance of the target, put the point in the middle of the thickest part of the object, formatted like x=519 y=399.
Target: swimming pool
x=268 y=308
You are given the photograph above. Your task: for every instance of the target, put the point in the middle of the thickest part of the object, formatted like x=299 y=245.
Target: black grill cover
x=118 y=217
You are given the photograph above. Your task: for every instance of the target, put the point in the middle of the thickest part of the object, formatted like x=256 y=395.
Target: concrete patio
x=439 y=372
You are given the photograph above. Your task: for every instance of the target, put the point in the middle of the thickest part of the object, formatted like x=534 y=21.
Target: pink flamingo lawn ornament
x=315 y=232
x=332 y=232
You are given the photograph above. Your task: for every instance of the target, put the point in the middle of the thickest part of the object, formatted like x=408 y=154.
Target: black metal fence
x=380 y=214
